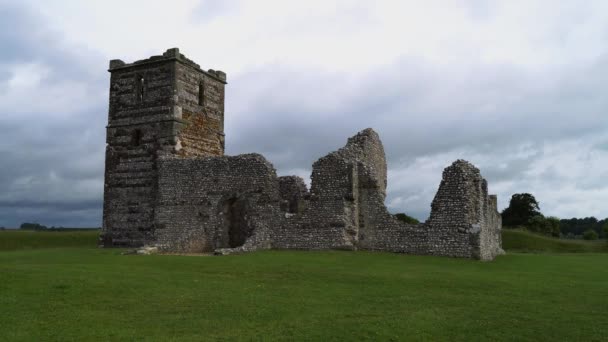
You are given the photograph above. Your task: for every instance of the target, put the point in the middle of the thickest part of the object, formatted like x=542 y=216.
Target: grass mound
x=23 y=239
x=524 y=241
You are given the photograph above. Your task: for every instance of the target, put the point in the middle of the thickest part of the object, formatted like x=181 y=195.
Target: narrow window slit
x=201 y=93
x=141 y=82
x=136 y=137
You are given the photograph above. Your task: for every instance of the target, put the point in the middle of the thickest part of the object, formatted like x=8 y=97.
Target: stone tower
x=163 y=106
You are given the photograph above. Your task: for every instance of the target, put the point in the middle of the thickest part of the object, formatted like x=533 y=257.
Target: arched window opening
x=236 y=226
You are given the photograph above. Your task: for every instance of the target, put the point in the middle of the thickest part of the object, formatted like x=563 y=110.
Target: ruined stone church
x=168 y=183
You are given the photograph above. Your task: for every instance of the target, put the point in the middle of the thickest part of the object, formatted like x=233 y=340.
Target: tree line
x=40 y=227
x=524 y=212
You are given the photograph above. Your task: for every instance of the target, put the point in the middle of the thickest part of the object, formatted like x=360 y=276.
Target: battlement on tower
x=172 y=54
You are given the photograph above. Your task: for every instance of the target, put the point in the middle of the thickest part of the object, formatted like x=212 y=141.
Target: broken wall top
x=365 y=149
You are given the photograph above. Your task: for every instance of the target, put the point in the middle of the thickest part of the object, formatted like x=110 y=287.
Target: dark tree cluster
x=32 y=226
x=524 y=212
x=522 y=208
x=576 y=227
x=38 y=226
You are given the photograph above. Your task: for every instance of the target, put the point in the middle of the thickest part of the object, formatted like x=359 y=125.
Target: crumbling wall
x=346 y=207
x=202 y=199
x=491 y=233
x=167 y=182
x=463 y=221
x=376 y=228
x=325 y=223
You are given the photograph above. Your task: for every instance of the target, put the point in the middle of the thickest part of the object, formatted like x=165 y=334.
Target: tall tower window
x=140 y=83
x=201 y=93
x=136 y=136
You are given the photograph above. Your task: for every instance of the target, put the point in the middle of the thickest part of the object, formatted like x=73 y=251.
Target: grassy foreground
x=95 y=294
x=27 y=239
x=524 y=241
x=58 y=286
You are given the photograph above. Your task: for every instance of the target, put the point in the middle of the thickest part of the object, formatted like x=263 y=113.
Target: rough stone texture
x=464 y=221
x=169 y=185
x=205 y=204
x=154 y=110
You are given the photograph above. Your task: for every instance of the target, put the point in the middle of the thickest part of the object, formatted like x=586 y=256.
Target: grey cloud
x=211 y=9
x=52 y=156
x=497 y=116
x=403 y=108
x=486 y=111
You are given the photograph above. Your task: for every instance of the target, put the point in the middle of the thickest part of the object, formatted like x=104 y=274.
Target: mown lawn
x=28 y=239
x=95 y=294
x=518 y=240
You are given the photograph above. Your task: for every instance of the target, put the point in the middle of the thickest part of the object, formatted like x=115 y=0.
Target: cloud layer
x=517 y=88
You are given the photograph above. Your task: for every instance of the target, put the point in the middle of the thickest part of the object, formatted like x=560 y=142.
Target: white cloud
x=339 y=35
x=517 y=87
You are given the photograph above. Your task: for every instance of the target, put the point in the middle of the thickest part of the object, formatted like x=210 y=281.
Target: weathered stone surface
x=204 y=204
x=158 y=106
x=147 y=250
x=464 y=221
x=169 y=185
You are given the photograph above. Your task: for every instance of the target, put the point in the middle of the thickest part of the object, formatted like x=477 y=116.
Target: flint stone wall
x=162 y=105
x=464 y=221
x=198 y=196
x=168 y=183
x=204 y=202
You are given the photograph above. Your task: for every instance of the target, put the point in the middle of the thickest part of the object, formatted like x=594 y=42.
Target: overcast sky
x=519 y=88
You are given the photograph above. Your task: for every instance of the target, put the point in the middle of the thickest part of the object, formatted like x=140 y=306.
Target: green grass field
x=524 y=241
x=11 y=240
x=95 y=294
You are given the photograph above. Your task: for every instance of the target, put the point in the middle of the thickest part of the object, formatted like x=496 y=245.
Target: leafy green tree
x=605 y=229
x=522 y=208
x=590 y=235
x=544 y=225
x=537 y=224
x=578 y=226
x=554 y=226
x=403 y=217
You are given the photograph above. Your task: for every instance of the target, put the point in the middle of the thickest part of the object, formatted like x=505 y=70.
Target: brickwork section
x=168 y=183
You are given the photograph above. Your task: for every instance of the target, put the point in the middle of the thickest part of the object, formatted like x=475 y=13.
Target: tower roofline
x=172 y=54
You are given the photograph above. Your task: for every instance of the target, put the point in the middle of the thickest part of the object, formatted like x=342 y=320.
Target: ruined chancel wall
x=169 y=184
x=464 y=220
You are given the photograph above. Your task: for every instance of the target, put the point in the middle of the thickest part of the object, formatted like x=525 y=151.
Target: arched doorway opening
x=236 y=228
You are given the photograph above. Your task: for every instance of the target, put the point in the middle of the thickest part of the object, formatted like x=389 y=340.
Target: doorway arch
x=236 y=228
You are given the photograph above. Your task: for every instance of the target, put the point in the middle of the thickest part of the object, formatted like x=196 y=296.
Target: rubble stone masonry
x=168 y=183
